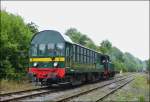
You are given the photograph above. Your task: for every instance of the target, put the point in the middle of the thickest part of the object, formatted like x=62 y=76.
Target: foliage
x=13 y=86
x=122 y=61
x=147 y=64
x=14 y=41
x=80 y=38
x=105 y=46
x=132 y=63
x=33 y=27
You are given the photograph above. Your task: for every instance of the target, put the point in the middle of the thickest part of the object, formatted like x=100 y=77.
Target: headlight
x=55 y=64
x=34 y=64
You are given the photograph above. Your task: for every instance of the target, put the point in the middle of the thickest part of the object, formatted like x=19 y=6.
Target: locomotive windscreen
x=47 y=43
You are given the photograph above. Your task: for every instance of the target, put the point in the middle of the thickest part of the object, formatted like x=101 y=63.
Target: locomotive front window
x=50 y=46
x=51 y=49
x=55 y=49
x=33 y=50
x=42 y=48
x=60 y=46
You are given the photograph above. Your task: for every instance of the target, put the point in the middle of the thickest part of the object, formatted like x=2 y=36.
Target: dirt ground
x=137 y=90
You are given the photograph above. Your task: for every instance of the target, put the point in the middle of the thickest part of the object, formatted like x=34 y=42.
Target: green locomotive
x=54 y=58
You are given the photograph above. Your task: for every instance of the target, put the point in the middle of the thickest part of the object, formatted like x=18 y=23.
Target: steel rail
x=112 y=91
x=22 y=91
x=28 y=95
x=87 y=91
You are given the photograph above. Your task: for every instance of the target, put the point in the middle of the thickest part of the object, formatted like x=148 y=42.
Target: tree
x=80 y=38
x=105 y=46
x=14 y=40
x=73 y=34
x=33 y=27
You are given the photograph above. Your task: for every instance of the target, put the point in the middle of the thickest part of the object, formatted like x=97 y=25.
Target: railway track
x=13 y=96
x=112 y=91
x=20 y=95
x=87 y=95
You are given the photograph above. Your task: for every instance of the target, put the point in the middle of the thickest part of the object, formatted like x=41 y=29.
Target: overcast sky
x=124 y=23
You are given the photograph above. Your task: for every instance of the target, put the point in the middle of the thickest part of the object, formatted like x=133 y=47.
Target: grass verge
x=12 y=86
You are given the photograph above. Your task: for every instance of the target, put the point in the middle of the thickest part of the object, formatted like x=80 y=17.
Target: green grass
x=140 y=81
x=11 y=86
x=141 y=86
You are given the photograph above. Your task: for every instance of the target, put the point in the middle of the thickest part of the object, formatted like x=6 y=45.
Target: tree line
x=14 y=44
x=15 y=40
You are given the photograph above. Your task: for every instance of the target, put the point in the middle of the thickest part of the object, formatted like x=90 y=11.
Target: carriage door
x=68 y=55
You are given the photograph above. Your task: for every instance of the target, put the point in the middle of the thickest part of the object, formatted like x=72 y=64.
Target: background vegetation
x=15 y=39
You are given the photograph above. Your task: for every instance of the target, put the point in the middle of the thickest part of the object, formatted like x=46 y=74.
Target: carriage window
x=74 y=59
x=84 y=51
x=87 y=52
x=78 y=49
x=67 y=51
x=85 y=59
x=91 y=53
x=78 y=59
x=95 y=56
x=81 y=50
x=74 y=48
x=74 y=53
x=34 y=50
x=42 y=48
x=82 y=58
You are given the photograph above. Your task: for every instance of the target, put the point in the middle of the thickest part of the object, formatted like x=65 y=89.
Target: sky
x=124 y=23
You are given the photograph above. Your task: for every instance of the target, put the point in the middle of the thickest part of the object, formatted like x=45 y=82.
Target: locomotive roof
x=66 y=38
x=50 y=35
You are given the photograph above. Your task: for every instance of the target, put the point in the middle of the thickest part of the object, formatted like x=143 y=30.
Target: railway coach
x=54 y=58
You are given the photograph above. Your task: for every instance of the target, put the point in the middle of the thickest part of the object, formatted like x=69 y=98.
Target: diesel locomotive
x=54 y=58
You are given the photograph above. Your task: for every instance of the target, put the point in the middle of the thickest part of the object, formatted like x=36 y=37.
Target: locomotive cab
x=47 y=56
x=108 y=66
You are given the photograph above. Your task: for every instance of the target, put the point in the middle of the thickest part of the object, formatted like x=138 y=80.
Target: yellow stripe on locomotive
x=47 y=59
